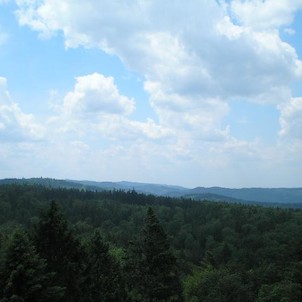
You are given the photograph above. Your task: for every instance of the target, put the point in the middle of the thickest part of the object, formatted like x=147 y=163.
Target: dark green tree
x=24 y=273
x=284 y=291
x=56 y=243
x=213 y=285
x=104 y=279
x=154 y=268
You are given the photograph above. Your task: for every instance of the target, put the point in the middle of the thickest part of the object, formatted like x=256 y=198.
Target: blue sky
x=194 y=93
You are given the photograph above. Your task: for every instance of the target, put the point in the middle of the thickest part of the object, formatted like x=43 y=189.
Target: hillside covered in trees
x=74 y=245
x=280 y=197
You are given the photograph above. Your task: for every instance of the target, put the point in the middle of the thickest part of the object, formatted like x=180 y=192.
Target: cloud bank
x=195 y=60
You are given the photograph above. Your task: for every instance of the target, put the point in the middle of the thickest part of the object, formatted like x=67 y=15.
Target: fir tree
x=104 y=280
x=154 y=268
x=56 y=243
x=25 y=273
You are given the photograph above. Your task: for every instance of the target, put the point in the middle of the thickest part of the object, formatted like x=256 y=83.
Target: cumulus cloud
x=123 y=129
x=265 y=15
x=95 y=94
x=14 y=124
x=96 y=106
x=200 y=117
x=193 y=69
x=203 y=52
x=291 y=119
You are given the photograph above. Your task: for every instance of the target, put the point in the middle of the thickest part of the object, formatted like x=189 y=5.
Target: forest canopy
x=75 y=245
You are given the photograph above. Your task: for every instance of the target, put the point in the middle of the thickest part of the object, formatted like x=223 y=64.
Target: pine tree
x=56 y=243
x=25 y=273
x=104 y=281
x=154 y=267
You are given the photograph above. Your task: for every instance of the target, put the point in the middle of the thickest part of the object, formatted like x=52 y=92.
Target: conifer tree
x=25 y=273
x=56 y=243
x=154 y=268
x=104 y=280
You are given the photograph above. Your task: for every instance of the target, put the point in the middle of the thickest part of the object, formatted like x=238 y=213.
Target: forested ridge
x=75 y=245
x=279 y=197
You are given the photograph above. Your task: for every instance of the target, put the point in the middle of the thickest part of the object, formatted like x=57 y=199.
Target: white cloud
x=95 y=94
x=291 y=119
x=265 y=15
x=203 y=53
x=95 y=106
x=123 y=129
x=14 y=124
x=197 y=116
x=195 y=58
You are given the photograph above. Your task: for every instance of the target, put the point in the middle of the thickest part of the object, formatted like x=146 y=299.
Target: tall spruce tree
x=153 y=268
x=56 y=243
x=104 y=279
x=25 y=277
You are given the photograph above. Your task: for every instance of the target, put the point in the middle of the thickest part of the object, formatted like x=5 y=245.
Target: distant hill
x=267 y=195
x=291 y=197
x=47 y=182
x=154 y=189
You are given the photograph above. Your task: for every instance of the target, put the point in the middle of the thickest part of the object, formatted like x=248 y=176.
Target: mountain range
x=289 y=197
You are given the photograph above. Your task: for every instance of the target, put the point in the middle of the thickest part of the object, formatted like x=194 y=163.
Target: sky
x=191 y=93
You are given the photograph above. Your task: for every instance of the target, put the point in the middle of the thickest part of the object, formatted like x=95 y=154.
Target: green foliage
x=63 y=253
x=215 y=285
x=221 y=248
x=284 y=291
x=154 y=265
x=104 y=280
x=24 y=276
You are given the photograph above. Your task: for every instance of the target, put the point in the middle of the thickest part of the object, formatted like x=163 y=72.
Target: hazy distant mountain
x=154 y=189
x=275 y=195
x=244 y=195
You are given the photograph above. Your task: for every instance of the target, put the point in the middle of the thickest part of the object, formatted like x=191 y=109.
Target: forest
x=59 y=244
